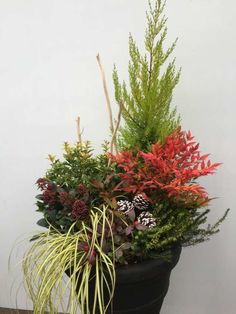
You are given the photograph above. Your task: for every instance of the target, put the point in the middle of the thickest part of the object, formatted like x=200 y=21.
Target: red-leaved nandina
x=171 y=168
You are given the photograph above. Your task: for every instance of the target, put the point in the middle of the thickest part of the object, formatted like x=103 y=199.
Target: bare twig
x=113 y=139
x=78 y=130
x=107 y=98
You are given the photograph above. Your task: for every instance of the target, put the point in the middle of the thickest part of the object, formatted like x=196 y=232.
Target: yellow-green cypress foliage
x=147 y=113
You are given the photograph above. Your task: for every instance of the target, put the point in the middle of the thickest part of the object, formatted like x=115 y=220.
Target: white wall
x=49 y=75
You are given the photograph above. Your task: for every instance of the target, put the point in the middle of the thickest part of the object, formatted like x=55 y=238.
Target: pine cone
x=125 y=206
x=147 y=219
x=140 y=202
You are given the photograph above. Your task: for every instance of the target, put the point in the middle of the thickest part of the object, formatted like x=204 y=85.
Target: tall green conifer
x=146 y=111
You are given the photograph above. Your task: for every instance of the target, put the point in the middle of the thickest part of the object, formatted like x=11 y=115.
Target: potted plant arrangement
x=116 y=222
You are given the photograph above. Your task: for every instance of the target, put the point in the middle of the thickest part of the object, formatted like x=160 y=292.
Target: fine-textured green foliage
x=183 y=225
x=147 y=105
x=79 y=166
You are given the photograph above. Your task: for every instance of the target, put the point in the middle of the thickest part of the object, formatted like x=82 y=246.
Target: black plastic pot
x=141 y=288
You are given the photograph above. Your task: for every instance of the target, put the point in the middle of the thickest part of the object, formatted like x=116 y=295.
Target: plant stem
x=113 y=139
x=107 y=97
x=78 y=130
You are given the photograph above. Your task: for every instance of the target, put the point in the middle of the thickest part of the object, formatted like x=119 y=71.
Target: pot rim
x=148 y=269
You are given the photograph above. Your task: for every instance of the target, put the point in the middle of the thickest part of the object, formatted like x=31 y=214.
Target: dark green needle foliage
x=146 y=103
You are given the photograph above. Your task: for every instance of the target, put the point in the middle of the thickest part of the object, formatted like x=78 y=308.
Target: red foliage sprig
x=171 y=168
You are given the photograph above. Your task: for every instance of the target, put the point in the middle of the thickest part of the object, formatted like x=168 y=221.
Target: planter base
x=140 y=288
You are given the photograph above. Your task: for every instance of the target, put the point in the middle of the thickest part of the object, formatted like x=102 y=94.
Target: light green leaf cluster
x=79 y=166
x=147 y=113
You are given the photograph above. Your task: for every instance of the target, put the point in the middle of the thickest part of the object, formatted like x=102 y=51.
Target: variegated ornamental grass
x=53 y=253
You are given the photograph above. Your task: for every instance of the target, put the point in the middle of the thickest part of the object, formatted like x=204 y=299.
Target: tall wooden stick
x=78 y=130
x=113 y=138
x=107 y=98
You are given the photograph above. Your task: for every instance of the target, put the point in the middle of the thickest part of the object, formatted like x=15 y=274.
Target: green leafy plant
x=126 y=205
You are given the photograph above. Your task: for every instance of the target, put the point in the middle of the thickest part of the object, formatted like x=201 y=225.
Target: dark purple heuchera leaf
x=129 y=230
x=135 y=225
x=99 y=229
x=92 y=257
x=141 y=227
x=83 y=246
x=106 y=246
x=103 y=230
x=119 y=229
x=131 y=214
